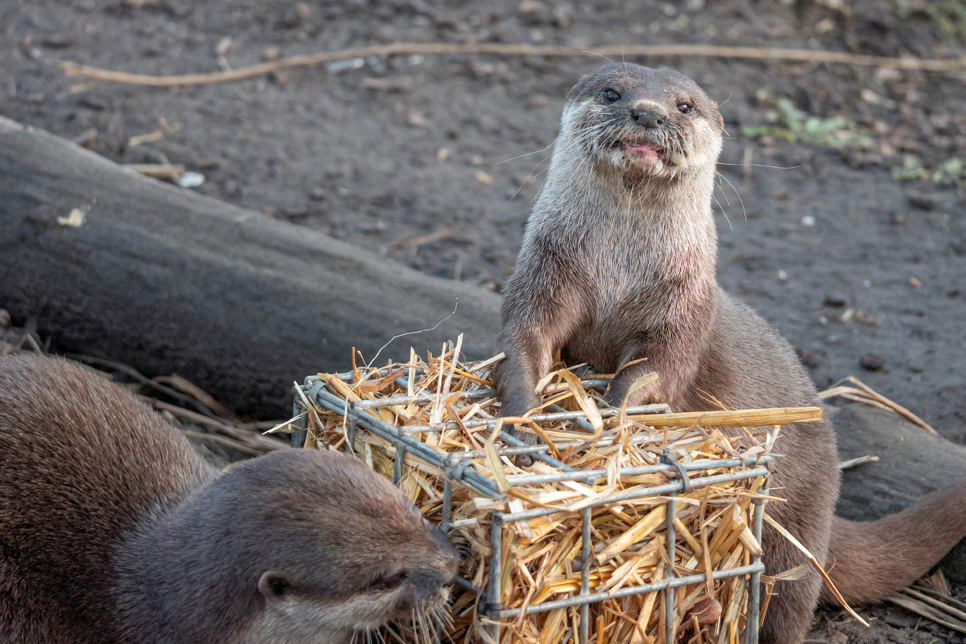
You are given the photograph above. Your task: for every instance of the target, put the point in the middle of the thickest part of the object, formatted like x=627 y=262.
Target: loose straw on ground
x=500 y=49
x=864 y=394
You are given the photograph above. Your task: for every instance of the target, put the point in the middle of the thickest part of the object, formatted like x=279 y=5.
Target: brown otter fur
x=618 y=264
x=112 y=529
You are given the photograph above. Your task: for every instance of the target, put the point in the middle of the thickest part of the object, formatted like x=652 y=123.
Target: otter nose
x=647 y=116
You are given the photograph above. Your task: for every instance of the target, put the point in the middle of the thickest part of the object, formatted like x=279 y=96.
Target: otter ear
x=273 y=583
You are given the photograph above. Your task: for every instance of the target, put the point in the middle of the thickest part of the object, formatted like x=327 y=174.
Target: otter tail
x=872 y=560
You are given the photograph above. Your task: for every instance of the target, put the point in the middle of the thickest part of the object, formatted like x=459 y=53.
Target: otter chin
x=617 y=270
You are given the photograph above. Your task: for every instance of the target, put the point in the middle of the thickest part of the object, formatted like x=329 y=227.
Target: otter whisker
x=525 y=154
x=723 y=212
x=529 y=174
x=761 y=165
x=743 y=211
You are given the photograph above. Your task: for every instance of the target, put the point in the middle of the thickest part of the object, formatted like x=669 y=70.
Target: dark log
x=168 y=281
x=911 y=463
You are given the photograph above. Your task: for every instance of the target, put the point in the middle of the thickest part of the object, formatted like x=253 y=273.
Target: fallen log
x=168 y=281
x=911 y=463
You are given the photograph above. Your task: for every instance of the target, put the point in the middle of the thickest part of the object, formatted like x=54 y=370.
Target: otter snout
x=449 y=555
x=647 y=114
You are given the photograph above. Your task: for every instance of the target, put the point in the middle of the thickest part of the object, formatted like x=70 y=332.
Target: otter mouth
x=648 y=152
x=643 y=149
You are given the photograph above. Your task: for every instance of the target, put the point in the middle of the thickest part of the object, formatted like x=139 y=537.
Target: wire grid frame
x=457 y=468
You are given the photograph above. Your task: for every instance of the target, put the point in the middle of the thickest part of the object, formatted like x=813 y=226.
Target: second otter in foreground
x=618 y=268
x=112 y=529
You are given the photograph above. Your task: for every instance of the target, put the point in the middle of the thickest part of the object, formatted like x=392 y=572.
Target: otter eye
x=686 y=108
x=610 y=95
x=389 y=582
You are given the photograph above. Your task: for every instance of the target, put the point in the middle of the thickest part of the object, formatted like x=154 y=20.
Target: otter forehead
x=636 y=83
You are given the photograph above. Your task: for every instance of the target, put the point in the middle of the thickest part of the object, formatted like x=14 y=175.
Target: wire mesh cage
x=460 y=468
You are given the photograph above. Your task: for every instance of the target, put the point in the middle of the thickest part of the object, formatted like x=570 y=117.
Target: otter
x=617 y=268
x=112 y=529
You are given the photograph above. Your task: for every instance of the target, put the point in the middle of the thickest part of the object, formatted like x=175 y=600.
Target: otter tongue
x=640 y=148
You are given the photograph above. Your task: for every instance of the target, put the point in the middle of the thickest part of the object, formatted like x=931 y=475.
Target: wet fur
x=618 y=264
x=113 y=529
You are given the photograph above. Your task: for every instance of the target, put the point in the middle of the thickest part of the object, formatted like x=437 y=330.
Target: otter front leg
x=528 y=358
x=537 y=320
x=625 y=378
x=673 y=354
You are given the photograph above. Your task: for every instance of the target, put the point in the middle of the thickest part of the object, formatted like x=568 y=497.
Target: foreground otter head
x=295 y=546
x=643 y=121
x=351 y=554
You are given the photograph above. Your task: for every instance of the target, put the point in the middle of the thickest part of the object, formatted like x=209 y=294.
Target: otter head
x=342 y=551
x=643 y=121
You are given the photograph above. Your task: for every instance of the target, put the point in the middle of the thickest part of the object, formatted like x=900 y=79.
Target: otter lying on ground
x=112 y=529
x=618 y=265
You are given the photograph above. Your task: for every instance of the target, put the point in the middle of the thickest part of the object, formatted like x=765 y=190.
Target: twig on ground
x=224 y=440
x=76 y=70
x=253 y=440
x=157 y=170
x=134 y=374
x=426 y=239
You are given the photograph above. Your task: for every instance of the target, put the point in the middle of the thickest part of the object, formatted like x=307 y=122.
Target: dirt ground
x=841 y=218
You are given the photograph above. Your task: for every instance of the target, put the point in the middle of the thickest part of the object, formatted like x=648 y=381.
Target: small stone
x=190 y=179
x=807 y=357
x=563 y=17
x=317 y=193
x=537 y=101
x=872 y=362
x=924 y=200
x=483 y=178
x=58 y=41
x=529 y=6
x=901 y=621
x=835 y=300
x=417 y=119
x=339 y=66
x=93 y=102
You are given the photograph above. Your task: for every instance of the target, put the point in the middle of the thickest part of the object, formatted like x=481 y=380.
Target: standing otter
x=112 y=529
x=618 y=265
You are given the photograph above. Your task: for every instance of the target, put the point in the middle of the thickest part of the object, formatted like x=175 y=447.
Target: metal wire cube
x=458 y=468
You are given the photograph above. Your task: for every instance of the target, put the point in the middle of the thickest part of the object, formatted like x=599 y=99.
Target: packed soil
x=841 y=222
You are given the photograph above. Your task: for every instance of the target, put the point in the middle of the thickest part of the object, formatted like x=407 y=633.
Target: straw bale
x=541 y=557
